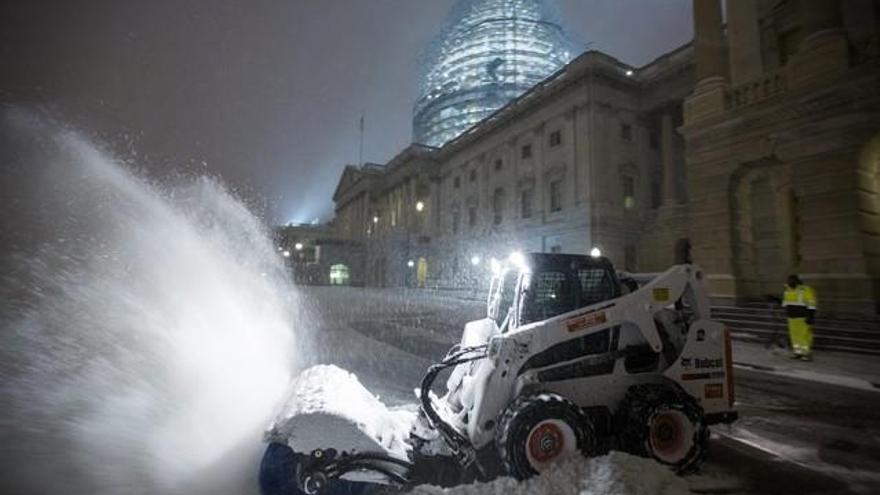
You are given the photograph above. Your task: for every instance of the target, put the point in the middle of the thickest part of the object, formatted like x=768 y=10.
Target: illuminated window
x=629 y=192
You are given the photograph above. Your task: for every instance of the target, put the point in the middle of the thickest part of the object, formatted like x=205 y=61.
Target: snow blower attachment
x=568 y=360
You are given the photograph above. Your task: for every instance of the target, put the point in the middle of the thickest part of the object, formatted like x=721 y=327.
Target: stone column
x=710 y=52
x=745 y=41
x=709 y=46
x=667 y=143
x=824 y=52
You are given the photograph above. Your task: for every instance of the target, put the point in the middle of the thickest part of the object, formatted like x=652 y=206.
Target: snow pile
x=614 y=474
x=329 y=408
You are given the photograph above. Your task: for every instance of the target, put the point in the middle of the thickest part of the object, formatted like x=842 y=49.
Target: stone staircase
x=765 y=323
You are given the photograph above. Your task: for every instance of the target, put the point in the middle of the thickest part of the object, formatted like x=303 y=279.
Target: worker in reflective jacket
x=799 y=301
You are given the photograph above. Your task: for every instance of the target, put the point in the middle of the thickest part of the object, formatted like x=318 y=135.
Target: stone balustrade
x=765 y=87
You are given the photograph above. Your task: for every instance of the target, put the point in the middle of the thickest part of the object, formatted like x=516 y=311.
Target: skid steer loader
x=567 y=360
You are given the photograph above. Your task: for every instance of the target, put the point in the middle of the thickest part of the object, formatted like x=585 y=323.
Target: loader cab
x=537 y=286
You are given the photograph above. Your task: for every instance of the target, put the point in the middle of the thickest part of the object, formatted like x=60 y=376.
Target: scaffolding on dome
x=489 y=52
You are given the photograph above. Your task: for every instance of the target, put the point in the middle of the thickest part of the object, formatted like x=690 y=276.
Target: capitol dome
x=489 y=52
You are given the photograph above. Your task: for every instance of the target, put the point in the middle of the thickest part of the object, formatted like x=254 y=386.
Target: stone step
x=821 y=326
x=761 y=322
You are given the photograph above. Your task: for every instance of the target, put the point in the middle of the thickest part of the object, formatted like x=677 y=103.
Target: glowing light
x=298 y=246
x=410 y=263
x=629 y=72
x=596 y=252
x=475 y=260
x=420 y=206
x=286 y=254
x=496 y=266
x=489 y=52
x=375 y=219
x=518 y=260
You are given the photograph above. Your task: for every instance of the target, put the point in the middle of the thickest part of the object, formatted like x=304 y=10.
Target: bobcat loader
x=569 y=359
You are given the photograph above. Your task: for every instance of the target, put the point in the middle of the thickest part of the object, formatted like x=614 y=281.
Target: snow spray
x=145 y=331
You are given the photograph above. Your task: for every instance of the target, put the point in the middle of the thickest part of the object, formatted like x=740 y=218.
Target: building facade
x=753 y=151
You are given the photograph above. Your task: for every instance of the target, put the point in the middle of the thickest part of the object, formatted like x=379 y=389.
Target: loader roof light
x=596 y=252
x=519 y=261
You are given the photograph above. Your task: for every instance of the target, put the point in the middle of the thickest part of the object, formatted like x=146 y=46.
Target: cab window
x=595 y=286
x=548 y=294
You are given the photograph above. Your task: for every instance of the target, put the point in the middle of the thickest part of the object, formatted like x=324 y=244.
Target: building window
x=526 y=151
x=499 y=164
x=455 y=221
x=527 y=198
x=456 y=182
x=629 y=258
x=556 y=249
x=626 y=132
x=498 y=205
x=555 y=138
x=656 y=193
x=788 y=44
x=556 y=195
x=472 y=216
x=473 y=177
x=629 y=192
x=653 y=141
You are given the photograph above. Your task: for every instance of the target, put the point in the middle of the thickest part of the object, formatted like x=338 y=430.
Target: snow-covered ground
x=861 y=372
x=614 y=474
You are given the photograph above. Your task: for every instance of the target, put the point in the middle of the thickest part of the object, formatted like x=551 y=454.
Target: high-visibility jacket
x=799 y=302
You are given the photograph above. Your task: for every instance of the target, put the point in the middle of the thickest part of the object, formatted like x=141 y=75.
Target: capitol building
x=754 y=151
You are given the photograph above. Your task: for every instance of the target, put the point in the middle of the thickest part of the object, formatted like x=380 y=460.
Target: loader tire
x=662 y=423
x=537 y=430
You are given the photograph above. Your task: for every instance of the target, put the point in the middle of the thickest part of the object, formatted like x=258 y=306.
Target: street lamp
x=286 y=254
x=410 y=263
x=375 y=219
x=420 y=206
x=475 y=260
x=298 y=246
x=596 y=252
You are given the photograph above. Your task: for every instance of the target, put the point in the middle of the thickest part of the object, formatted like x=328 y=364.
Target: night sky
x=265 y=93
